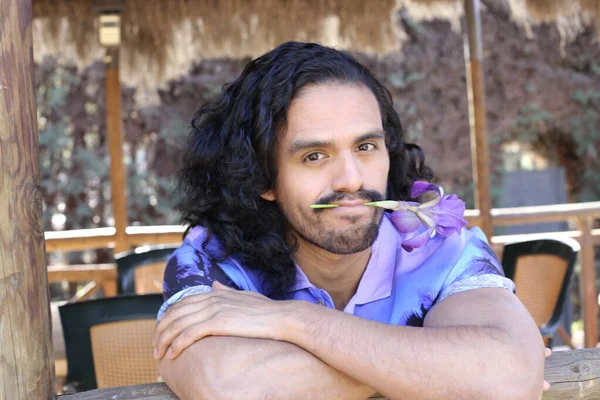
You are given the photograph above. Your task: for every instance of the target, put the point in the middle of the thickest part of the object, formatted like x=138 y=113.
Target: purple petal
x=448 y=215
x=417 y=241
x=421 y=187
x=405 y=221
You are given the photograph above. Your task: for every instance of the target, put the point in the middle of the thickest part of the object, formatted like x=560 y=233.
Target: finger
x=548 y=352
x=188 y=337
x=181 y=331
x=180 y=310
x=190 y=299
x=173 y=311
x=219 y=285
x=546 y=386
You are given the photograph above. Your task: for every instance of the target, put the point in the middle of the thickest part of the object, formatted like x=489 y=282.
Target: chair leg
x=564 y=336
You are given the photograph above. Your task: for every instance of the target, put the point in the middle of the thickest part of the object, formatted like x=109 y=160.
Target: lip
x=351 y=203
x=351 y=207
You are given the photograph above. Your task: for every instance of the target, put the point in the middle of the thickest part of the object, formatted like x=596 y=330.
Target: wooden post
x=477 y=119
x=26 y=356
x=587 y=281
x=114 y=125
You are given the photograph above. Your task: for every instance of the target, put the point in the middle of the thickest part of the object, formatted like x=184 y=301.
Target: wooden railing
x=84 y=239
x=98 y=238
x=99 y=276
x=573 y=374
x=579 y=214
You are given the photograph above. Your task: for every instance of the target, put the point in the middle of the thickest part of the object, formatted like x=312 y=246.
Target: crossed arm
x=477 y=344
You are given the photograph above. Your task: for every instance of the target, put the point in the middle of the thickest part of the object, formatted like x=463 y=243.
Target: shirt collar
x=376 y=282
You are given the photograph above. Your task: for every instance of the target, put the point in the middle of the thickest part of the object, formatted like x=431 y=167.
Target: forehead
x=332 y=112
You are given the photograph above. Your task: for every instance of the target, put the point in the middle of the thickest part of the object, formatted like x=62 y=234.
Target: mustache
x=363 y=194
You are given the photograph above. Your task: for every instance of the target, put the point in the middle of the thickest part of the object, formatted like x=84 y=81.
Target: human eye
x=367 y=147
x=314 y=157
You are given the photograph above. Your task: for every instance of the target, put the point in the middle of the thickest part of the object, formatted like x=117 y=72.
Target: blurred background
x=542 y=87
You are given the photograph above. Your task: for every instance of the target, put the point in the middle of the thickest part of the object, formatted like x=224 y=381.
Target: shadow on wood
x=573 y=374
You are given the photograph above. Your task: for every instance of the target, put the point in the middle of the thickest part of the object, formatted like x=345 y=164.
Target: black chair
x=141 y=270
x=542 y=271
x=91 y=324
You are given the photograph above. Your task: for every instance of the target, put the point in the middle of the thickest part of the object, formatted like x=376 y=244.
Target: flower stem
x=387 y=204
x=324 y=205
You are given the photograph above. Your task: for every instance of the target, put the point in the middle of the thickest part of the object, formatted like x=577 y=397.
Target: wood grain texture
x=479 y=146
x=84 y=272
x=477 y=116
x=587 y=281
x=114 y=126
x=85 y=239
x=573 y=374
x=151 y=391
x=26 y=367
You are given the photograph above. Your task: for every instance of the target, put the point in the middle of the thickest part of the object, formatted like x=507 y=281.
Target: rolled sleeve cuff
x=478 y=282
x=182 y=294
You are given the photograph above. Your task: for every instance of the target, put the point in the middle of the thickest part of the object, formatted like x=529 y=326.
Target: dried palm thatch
x=161 y=36
x=570 y=15
x=160 y=33
x=538 y=10
x=592 y=9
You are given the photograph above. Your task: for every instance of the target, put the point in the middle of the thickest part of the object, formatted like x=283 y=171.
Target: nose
x=348 y=175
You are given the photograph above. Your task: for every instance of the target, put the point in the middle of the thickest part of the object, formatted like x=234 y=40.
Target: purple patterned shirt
x=397 y=287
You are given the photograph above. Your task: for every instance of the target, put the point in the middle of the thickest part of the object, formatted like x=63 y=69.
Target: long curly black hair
x=229 y=160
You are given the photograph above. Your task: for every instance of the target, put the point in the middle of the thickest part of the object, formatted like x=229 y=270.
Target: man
x=269 y=298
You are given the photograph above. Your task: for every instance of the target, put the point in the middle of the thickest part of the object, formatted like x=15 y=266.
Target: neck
x=338 y=274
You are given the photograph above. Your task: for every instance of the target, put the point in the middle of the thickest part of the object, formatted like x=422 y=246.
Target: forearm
x=233 y=368
x=456 y=362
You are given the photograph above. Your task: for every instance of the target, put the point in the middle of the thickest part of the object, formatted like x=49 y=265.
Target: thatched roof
x=166 y=35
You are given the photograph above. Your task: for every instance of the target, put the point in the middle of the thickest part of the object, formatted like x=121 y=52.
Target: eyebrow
x=300 y=145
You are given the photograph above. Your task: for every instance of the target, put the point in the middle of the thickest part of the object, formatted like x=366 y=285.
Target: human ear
x=269 y=195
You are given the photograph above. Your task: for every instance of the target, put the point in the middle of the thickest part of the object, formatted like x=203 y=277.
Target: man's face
x=333 y=150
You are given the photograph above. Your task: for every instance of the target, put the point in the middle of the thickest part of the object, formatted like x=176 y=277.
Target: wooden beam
x=473 y=217
x=588 y=283
x=109 y=287
x=573 y=374
x=26 y=366
x=114 y=125
x=80 y=239
x=105 y=275
x=85 y=293
x=73 y=243
x=165 y=234
x=548 y=213
x=151 y=391
x=81 y=273
x=85 y=239
x=522 y=237
x=477 y=118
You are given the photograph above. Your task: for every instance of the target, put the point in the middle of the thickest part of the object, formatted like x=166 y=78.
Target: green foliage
x=583 y=126
x=530 y=120
x=413 y=24
x=587 y=98
x=586 y=129
x=400 y=80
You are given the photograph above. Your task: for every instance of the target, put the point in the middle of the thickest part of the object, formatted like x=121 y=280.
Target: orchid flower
x=442 y=215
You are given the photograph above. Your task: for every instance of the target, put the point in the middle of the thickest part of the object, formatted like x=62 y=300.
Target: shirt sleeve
x=477 y=267
x=189 y=271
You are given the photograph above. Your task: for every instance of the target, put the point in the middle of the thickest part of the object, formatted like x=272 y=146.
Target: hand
x=548 y=353
x=222 y=312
